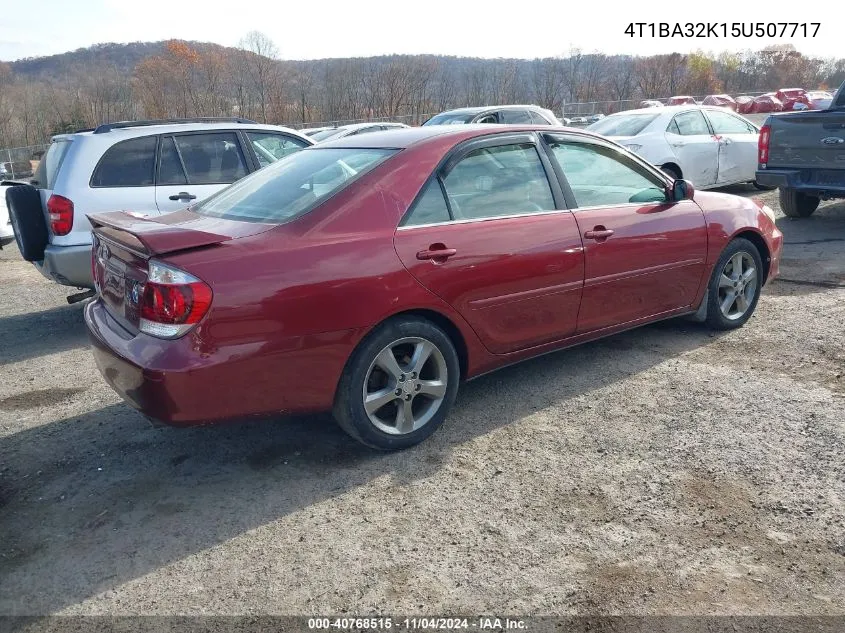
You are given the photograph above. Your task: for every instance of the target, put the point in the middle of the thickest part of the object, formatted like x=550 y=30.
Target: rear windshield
x=622 y=124
x=51 y=162
x=292 y=186
x=449 y=119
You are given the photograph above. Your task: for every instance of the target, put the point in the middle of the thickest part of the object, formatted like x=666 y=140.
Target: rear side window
x=271 y=147
x=430 y=207
x=514 y=116
x=497 y=181
x=127 y=164
x=689 y=124
x=51 y=163
x=292 y=186
x=537 y=118
x=211 y=159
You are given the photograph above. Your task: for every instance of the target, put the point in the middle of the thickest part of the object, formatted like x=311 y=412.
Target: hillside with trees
x=110 y=82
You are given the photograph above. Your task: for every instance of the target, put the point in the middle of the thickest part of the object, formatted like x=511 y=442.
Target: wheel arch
x=444 y=323
x=674 y=166
x=765 y=254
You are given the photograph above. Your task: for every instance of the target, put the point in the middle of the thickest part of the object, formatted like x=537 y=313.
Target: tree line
x=45 y=96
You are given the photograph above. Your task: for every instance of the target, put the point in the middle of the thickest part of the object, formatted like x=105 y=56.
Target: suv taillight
x=60 y=210
x=173 y=301
x=763 y=145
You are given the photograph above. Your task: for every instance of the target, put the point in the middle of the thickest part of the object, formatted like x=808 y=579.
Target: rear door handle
x=182 y=195
x=599 y=234
x=435 y=253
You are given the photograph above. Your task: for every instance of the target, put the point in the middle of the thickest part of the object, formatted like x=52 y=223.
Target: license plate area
x=113 y=286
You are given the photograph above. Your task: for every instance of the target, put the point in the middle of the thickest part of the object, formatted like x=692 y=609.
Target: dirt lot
x=665 y=470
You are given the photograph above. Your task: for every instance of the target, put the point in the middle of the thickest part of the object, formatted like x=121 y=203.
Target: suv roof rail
x=108 y=127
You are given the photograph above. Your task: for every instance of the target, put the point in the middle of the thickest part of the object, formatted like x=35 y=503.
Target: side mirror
x=682 y=190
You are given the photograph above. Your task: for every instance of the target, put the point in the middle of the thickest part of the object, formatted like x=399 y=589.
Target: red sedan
x=370 y=275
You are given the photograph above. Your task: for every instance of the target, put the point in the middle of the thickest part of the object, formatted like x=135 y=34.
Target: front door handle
x=182 y=195
x=599 y=234
x=438 y=253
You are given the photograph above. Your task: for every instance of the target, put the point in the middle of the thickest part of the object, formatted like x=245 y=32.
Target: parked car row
x=783 y=100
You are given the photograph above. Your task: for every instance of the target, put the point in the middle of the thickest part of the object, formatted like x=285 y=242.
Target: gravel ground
x=666 y=470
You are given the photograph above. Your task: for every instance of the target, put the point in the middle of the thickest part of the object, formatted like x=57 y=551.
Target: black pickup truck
x=803 y=153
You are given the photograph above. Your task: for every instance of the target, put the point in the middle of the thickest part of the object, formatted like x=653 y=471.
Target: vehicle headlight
x=768 y=211
x=633 y=147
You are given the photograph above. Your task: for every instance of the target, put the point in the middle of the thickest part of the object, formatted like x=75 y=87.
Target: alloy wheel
x=405 y=385
x=737 y=286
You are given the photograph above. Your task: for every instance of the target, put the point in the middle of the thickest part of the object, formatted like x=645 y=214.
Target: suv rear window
x=127 y=164
x=48 y=168
x=292 y=186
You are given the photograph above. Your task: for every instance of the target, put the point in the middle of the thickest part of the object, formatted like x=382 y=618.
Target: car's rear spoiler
x=150 y=237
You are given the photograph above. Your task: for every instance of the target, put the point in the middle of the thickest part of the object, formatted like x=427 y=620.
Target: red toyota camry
x=371 y=275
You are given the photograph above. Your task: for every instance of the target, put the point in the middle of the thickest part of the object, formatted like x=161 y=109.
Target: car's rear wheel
x=28 y=222
x=734 y=286
x=796 y=204
x=399 y=384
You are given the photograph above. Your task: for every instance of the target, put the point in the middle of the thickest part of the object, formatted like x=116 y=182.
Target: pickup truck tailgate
x=810 y=140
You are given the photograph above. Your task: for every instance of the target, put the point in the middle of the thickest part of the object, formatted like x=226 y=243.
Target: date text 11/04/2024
x=723 y=29
x=483 y=623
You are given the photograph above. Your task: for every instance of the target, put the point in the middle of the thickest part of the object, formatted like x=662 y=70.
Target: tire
x=400 y=339
x=28 y=222
x=719 y=288
x=760 y=187
x=671 y=172
x=796 y=204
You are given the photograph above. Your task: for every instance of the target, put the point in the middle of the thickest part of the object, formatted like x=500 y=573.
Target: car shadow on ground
x=90 y=502
x=58 y=329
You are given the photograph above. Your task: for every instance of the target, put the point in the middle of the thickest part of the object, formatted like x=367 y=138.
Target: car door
x=737 y=140
x=697 y=150
x=194 y=165
x=124 y=178
x=489 y=235
x=643 y=255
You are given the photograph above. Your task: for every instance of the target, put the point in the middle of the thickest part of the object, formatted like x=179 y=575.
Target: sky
x=332 y=28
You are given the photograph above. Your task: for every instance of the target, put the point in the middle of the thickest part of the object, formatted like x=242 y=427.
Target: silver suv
x=145 y=167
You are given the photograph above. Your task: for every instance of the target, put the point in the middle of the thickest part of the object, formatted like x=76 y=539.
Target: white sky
x=313 y=29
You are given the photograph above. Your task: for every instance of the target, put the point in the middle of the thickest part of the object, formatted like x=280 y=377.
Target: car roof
x=480 y=109
x=406 y=137
x=668 y=109
x=358 y=126
x=173 y=128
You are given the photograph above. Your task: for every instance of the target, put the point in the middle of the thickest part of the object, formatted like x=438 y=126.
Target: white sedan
x=708 y=145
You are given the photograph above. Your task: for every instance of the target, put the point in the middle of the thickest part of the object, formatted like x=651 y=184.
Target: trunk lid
x=123 y=245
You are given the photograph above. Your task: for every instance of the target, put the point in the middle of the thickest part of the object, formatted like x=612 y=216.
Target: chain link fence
x=17 y=163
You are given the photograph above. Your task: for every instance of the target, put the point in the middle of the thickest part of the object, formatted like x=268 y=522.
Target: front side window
x=538 y=118
x=724 y=123
x=497 y=181
x=271 y=147
x=127 y=164
x=690 y=123
x=293 y=185
x=600 y=176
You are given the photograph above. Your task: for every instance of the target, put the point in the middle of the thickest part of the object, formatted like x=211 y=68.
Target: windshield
x=622 y=124
x=292 y=186
x=322 y=135
x=450 y=118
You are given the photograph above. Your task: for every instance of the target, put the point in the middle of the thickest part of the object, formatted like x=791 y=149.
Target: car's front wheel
x=399 y=384
x=734 y=286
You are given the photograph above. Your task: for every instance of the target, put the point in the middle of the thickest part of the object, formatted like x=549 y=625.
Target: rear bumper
x=800 y=180
x=67 y=265
x=191 y=381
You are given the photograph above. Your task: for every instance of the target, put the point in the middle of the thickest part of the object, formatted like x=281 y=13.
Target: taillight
x=763 y=145
x=173 y=301
x=60 y=210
